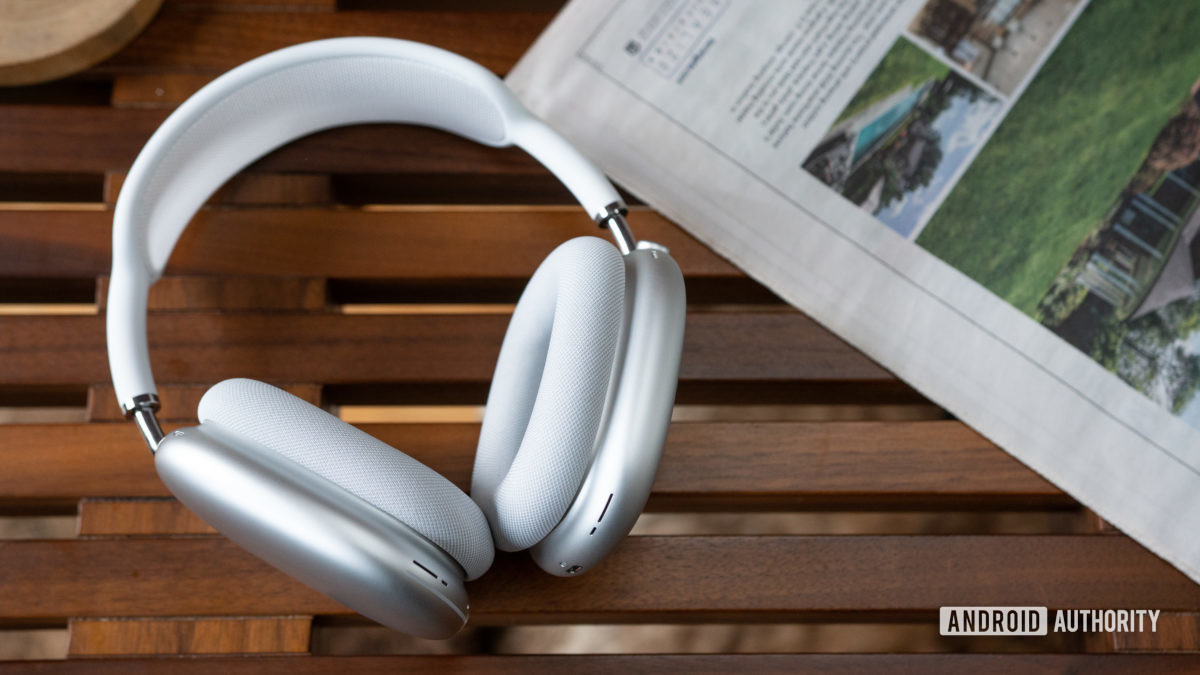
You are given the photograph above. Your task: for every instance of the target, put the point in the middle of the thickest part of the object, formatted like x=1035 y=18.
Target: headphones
x=578 y=408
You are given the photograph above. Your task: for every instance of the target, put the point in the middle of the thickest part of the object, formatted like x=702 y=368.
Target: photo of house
x=998 y=41
x=902 y=137
x=1142 y=259
x=1130 y=297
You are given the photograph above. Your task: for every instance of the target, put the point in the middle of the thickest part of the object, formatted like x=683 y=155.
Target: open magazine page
x=998 y=204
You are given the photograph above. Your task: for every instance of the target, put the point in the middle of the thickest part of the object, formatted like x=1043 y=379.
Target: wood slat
x=217 y=41
x=1176 y=631
x=846 y=400
x=340 y=349
x=255 y=5
x=156 y=90
x=249 y=188
x=158 y=517
x=312 y=189
x=645 y=580
x=224 y=635
x=710 y=466
x=607 y=664
x=179 y=401
x=229 y=293
x=82 y=139
x=413 y=242
x=141 y=517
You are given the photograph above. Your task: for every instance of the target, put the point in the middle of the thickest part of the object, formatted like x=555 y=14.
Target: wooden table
x=389 y=260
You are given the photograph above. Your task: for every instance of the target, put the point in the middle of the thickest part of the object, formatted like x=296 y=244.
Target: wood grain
x=181 y=40
x=48 y=39
x=707 y=466
x=1176 y=632
x=81 y=139
x=145 y=517
x=645 y=580
x=610 y=664
x=225 y=635
x=249 y=188
x=255 y=5
x=203 y=347
x=155 y=90
x=409 y=242
x=229 y=294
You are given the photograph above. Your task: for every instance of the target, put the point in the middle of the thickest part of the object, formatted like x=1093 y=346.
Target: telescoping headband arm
x=279 y=97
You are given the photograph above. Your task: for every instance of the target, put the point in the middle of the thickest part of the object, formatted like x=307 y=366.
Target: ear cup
x=549 y=391
x=356 y=462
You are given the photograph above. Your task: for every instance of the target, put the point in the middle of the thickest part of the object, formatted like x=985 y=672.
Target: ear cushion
x=549 y=392
x=356 y=462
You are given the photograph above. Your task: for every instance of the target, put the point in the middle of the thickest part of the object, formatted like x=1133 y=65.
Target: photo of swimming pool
x=878 y=127
x=910 y=128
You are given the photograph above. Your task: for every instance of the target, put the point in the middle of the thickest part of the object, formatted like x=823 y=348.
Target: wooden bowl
x=43 y=40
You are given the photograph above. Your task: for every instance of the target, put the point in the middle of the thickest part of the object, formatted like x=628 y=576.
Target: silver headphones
x=577 y=412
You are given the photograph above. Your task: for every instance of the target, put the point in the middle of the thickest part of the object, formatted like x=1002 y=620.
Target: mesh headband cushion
x=549 y=392
x=356 y=462
x=291 y=102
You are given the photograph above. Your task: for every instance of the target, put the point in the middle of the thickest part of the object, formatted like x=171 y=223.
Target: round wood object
x=42 y=40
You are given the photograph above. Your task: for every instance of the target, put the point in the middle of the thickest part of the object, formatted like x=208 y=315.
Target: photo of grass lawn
x=897 y=144
x=1081 y=209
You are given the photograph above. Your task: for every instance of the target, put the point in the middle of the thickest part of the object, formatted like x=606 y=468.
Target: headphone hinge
x=613 y=218
x=141 y=408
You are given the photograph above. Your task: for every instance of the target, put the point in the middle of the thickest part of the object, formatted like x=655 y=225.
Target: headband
x=274 y=99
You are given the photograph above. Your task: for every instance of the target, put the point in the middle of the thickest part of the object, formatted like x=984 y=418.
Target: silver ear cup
x=322 y=535
x=549 y=391
x=356 y=462
x=634 y=428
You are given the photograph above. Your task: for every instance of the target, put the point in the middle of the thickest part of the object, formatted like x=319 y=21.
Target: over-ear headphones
x=577 y=412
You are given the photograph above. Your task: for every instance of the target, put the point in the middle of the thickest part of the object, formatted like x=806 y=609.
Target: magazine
x=996 y=200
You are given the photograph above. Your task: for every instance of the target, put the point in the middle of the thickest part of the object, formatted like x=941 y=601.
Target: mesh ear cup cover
x=356 y=462
x=549 y=391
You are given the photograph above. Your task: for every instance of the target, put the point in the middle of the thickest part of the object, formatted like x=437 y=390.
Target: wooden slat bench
x=805 y=492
